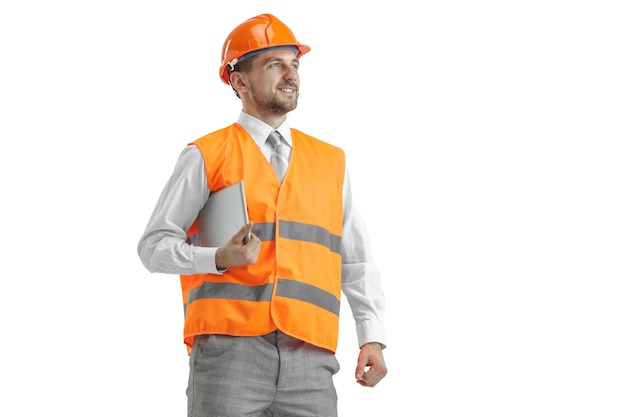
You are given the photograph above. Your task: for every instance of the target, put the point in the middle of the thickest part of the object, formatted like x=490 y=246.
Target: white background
x=485 y=141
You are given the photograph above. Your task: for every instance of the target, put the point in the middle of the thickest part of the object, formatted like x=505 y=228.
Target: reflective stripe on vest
x=286 y=288
x=298 y=231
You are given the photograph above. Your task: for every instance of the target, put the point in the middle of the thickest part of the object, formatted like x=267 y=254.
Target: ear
x=238 y=81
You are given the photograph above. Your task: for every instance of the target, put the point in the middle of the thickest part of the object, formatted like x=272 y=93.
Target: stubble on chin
x=282 y=107
x=275 y=105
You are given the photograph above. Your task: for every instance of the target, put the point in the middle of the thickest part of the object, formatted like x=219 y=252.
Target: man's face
x=274 y=82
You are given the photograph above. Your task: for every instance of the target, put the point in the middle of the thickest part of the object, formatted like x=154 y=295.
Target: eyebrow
x=280 y=59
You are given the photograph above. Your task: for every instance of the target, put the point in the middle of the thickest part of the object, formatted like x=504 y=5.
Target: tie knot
x=274 y=138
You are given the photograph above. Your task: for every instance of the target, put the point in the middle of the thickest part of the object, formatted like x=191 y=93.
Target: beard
x=273 y=103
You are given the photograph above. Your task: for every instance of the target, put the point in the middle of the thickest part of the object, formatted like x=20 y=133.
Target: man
x=262 y=314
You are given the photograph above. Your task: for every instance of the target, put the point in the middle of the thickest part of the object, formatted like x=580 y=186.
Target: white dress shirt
x=164 y=247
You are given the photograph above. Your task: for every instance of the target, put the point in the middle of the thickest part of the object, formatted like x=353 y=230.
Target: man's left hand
x=371 y=366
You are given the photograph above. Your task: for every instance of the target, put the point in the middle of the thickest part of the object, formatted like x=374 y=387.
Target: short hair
x=245 y=65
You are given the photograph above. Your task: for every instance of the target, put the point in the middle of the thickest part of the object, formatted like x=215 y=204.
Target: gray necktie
x=279 y=158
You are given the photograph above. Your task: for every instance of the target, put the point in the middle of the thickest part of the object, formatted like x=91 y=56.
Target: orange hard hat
x=255 y=34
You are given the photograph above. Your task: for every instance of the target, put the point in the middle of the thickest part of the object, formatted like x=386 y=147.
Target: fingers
x=243 y=235
x=371 y=377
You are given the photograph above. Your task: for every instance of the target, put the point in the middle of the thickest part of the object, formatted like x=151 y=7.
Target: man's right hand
x=237 y=253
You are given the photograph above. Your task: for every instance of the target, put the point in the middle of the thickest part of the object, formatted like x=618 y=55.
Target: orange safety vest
x=295 y=286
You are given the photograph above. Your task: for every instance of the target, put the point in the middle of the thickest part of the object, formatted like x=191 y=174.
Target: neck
x=271 y=119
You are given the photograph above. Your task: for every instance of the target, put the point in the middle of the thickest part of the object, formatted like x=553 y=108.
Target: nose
x=291 y=74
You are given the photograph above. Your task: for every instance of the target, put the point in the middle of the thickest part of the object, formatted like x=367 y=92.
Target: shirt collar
x=260 y=130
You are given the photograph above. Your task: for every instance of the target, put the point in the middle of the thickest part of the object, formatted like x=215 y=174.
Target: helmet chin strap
x=231 y=86
x=231 y=68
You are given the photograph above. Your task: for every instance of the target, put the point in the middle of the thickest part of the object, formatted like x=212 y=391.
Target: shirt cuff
x=371 y=331
x=204 y=260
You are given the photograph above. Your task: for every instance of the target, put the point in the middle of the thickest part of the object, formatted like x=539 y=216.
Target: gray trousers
x=266 y=376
